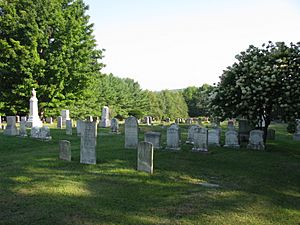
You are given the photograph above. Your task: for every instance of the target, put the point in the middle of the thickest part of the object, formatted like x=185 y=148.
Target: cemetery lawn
x=255 y=187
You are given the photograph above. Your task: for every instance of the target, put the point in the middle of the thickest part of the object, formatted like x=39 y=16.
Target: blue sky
x=172 y=44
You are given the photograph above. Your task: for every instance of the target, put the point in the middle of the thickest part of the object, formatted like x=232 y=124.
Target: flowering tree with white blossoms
x=262 y=81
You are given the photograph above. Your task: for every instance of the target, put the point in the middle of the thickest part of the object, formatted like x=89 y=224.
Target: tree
x=197 y=99
x=47 y=45
x=262 y=81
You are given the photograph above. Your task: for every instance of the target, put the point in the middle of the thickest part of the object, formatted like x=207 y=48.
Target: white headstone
x=131 y=132
x=154 y=138
x=49 y=120
x=65 y=115
x=11 y=128
x=200 y=140
x=231 y=139
x=191 y=131
x=145 y=157
x=105 y=121
x=69 y=127
x=256 y=140
x=78 y=127
x=65 y=150
x=88 y=142
x=34 y=119
x=173 y=142
x=214 y=137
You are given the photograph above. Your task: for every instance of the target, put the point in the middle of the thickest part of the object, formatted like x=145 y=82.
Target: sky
x=173 y=44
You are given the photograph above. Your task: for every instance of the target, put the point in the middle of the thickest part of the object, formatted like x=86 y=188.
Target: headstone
x=59 y=122
x=154 y=138
x=11 y=128
x=191 y=131
x=69 y=127
x=145 y=157
x=244 y=129
x=256 y=140
x=17 y=119
x=296 y=136
x=23 y=132
x=200 y=140
x=96 y=119
x=114 y=126
x=271 y=134
x=131 y=132
x=49 y=120
x=24 y=118
x=88 y=143
x=65 y=114
x=173 y=141
x=78 y=127
x=231 y=139
x=35 y=132
x=89 y=119
x=214 y=137
x=105 y=122
x=147 y=120
x=65 y=150
x=168 y=120
x=34 y=119
x=177 y=120
x=0 y=122
x=45 y=133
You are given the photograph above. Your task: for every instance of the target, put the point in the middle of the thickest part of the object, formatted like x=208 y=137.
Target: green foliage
x=198 y=100
x=262 y=81
x=291 y=128
x=48 y=45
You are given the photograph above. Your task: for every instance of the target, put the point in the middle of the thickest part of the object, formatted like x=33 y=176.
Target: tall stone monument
x=105 y=122
x=34 y=119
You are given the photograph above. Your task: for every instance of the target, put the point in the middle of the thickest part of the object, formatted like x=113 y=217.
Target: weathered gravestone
x=256 y=140
x=65 y=150
x=147 y=120
x=69 y=127
x=23 y=132
x=17 y=119
x=231 y=139
x=189 y=121
x=131 y=132
x=105 y=122
x=11 y=128
x=200 y=140
x=296 y=136
x=88 y=142
x=173 y=140
x=114 y=126
x=59 y=122
x=214 y=137
x=145 y=157
x=78 y=127
x=154 y=138
x=42 y=133
x=65 y=115
x=191 y=131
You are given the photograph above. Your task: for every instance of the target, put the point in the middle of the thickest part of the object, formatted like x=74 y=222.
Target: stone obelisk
x=34 y=119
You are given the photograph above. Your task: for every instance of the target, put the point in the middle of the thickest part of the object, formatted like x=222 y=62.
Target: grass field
x=256 y=187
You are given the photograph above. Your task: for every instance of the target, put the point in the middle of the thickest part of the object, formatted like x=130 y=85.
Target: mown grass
x=256 y=187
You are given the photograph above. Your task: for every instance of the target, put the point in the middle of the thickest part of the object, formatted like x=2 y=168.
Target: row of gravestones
x=200 y=137
x=35 y=132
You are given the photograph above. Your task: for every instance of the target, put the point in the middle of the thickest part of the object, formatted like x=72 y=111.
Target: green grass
x=256 y=187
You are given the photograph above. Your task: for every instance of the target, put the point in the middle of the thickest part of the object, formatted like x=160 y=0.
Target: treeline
x=49 y=45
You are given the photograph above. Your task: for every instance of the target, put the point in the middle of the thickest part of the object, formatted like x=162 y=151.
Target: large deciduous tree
x=262 y=81
x=47 y=45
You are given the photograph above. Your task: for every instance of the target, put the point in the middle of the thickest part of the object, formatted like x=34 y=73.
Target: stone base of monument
x=197 y=149
x=296 y=137
x=34 y=123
